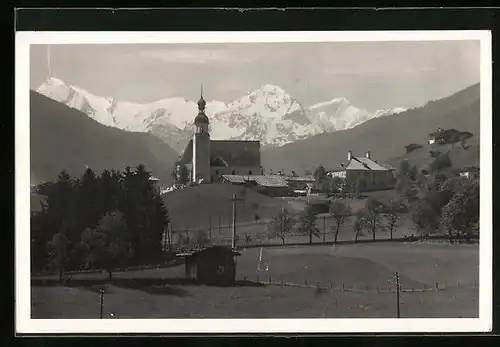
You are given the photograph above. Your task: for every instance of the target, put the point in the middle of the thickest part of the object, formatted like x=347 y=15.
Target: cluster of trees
x=377 y=215
x=98 y=222
x=440 y=202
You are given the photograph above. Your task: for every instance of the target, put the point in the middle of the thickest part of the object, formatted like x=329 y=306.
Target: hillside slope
x=385 y=137
x=64 y=138
x=459 y=157
x=203 y=204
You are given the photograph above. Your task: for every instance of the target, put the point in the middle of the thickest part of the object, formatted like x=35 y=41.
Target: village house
x=156 y=183
x=364 y=173
x=471 y=172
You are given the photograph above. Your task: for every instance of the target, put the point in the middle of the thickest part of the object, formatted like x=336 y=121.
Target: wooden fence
x=343 y=287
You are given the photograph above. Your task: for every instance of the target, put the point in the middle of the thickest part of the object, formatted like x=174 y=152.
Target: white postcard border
x=24 y=323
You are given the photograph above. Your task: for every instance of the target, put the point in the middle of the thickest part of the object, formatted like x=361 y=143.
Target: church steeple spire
x=201 y=102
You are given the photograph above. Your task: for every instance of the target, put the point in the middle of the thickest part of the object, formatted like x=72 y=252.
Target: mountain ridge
x=268 y=114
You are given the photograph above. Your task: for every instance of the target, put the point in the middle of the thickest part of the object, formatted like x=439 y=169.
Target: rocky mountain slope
x=268 y=114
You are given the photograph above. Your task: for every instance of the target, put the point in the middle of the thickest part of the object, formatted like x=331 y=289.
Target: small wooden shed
x=214 y=265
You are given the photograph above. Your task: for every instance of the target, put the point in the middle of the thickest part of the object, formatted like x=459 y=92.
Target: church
x=207 y=160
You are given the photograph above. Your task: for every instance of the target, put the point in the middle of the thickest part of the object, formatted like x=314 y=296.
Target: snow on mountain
x=267 y=114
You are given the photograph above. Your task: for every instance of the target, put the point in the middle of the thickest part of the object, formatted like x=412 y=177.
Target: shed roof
x=210 y=250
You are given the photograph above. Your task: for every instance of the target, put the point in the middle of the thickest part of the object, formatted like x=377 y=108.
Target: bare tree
x=281 y=225
x=373 y=212
x=308 y=223
x=340 y=213
x=393 y=210
x=359 y=224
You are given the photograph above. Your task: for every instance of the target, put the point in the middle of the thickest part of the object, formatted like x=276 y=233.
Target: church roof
x=229 y=153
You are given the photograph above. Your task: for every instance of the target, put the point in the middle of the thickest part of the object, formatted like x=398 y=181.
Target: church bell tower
x=201 y=144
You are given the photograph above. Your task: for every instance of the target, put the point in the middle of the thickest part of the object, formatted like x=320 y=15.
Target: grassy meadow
x=363 y=270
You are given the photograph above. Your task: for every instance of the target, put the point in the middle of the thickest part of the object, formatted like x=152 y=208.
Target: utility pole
x=396 y=274
x=234 y=199
x=324 y=229
x=219 y=224
x=210 y=227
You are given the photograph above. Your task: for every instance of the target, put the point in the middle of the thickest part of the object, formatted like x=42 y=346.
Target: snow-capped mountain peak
x=268 y=114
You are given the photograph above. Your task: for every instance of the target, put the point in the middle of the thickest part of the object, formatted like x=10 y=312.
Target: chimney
x=368 y=154
x=349 y=155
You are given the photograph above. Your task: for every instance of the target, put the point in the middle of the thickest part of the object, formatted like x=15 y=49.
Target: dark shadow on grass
x=154 y=286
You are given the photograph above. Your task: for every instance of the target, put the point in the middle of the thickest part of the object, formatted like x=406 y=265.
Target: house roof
x=228 y=153
x=363 y=163
x=307 y=178
x=234 y=178
x=261 y=180
x=271 y=181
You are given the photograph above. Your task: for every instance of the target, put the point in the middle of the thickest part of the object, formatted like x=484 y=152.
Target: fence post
x=101 y=293
x=324 y=229
x=269 y=279
x=331 y=285
x=437 y=285
x=397 y=291
x=343 y=287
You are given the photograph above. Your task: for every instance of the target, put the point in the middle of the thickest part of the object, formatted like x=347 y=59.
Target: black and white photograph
x=217 y=179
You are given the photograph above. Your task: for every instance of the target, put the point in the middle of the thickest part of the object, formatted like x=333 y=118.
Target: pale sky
x=372 y=75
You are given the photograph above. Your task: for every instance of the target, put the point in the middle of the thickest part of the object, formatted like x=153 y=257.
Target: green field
x=362 y=270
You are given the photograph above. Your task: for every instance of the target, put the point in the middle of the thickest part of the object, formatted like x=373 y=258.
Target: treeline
x=98 y=222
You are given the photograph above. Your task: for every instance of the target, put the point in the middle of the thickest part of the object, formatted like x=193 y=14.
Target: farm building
x=215 y=265
x=156 y=183
x=471 y=172
x=365 y=173
x=206 y=160
x=271 y=185
x=300 y=183
x=442 y=136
